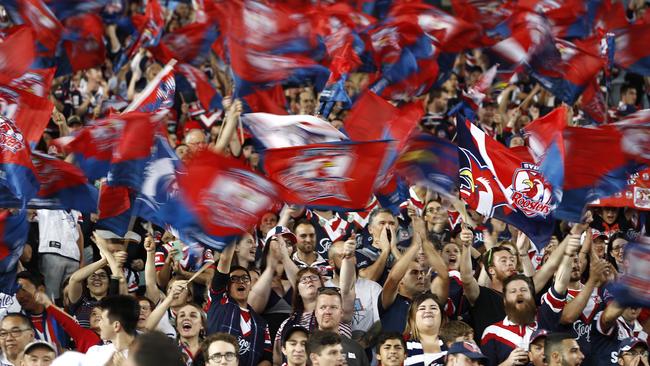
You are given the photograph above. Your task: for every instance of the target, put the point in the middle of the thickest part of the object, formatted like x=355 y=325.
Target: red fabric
x=82 y=337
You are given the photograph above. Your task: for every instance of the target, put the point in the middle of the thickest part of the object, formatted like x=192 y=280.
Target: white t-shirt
x=365 y=303
x=57 y=233
x=100 y=355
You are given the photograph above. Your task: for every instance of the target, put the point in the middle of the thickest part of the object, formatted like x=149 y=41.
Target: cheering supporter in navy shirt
x=613 y=326
x=230 y=313
x=424 y=346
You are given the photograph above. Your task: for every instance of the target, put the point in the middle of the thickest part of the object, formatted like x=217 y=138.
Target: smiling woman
x=424 y=347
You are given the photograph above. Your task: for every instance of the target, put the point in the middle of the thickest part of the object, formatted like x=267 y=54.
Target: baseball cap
x=129 y=236
x=280 y=230
x=35 y=344
x=539 y=333
x=468 y=349
x=74 y=120
x=595 y=234
x=629 y=343
x=289 y=331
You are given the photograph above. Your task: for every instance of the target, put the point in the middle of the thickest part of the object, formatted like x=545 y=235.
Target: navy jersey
x=604 y=345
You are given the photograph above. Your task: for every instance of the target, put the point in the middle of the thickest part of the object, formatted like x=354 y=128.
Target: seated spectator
x=16 y=333
x=391 y=349
x=325 y=349
x=38 y=353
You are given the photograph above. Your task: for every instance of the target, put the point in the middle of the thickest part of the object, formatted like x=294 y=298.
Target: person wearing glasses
x=15 y=333
x=229 y=312
x=633 y=352
x=87 y=286
x=221 y=349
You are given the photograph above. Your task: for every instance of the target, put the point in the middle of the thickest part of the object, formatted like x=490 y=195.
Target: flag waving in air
x=13 y=235
x=497 y=183
x=17 y=172
x=329 y=175
x=225 y=196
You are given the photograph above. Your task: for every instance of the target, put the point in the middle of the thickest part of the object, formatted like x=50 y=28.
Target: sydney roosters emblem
x=10 y=138
x=530 y=192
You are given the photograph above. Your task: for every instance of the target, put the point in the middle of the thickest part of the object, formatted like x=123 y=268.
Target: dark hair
x=488 y=256
x=320 y=339
x=124 y=309
x=386 y=336
x=553 y=343
x=155 y=348
x=144 y=298
x=224 y=337
x=36 y=279
x=302 y=222
x=519 y=277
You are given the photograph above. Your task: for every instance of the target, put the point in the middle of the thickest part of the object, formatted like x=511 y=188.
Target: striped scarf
x=415 y=355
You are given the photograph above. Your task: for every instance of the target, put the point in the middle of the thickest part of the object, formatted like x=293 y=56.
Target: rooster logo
x=531 y=193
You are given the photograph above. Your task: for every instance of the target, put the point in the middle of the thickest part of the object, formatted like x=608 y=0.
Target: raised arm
x=573 y=308
x=389 y=293
x=160 y=310
x=152 y=291
x=374 y=271
x=76 y=284
x=259 y=294
x=563 y=273
x=348 y=279
x=471 y=288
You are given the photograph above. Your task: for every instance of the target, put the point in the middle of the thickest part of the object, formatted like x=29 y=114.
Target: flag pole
x=150 y=87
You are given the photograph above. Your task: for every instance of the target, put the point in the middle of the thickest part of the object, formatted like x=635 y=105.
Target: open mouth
x=241 y=288
x=186 y=325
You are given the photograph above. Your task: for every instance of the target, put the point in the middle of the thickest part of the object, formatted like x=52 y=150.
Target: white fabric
x=366 y=312
x=58 y=233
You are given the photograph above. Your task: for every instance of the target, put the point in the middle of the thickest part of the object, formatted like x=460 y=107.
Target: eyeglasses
x=306 y=279
x=635 y=353
x=15 y=333
x=98 y=276
x=240 y=279
x=216 y=357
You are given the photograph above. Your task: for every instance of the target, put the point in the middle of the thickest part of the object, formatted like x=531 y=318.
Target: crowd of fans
x=422 y=288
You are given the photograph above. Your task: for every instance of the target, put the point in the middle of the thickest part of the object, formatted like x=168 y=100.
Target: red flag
x=16 y=52
x=330 y=175
x=37 y=15
x=204 y=90
x=636 y=195
x=113 y=201
x=35 y=81
x=87 y=50
x=31 y=113
x=268 y=101
x=227 y=197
